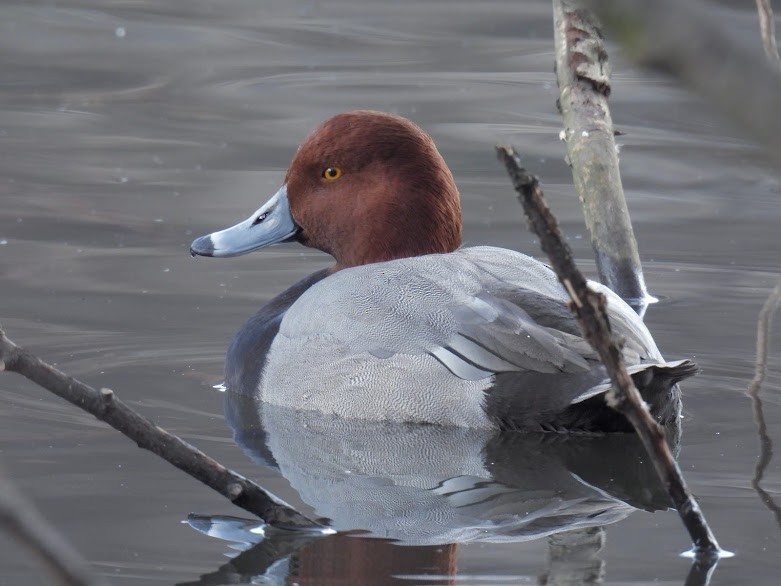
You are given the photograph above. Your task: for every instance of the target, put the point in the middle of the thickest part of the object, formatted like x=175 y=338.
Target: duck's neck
x=420 y=225
x=374 y=245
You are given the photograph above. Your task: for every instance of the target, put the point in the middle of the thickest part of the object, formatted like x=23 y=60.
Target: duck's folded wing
x=474 y=324
x=494 y=335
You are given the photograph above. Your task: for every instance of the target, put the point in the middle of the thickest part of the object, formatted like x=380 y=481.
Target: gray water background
x=128 y=127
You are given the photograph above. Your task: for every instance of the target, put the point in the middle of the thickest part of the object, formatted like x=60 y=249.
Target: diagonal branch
x=589 y=307
x=106 y=406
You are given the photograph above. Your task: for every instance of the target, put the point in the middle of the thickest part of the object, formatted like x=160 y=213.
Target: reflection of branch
x=106 y=406
x=589 y=307
x=573 y=557
x=765 y=443
x=763 y=334
x=21 y=519
x=767 y=29
x=700 y=573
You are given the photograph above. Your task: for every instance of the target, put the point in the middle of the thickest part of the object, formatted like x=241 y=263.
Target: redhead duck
x=406 y=325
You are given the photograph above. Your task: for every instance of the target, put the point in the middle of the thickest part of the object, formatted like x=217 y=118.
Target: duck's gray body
x=480 y=337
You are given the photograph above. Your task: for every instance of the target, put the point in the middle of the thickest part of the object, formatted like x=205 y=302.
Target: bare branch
x=589 y=307
x=583 y=75
x=106 y=406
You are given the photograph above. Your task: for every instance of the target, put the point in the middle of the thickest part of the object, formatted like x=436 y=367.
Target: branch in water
x=589 y=307
x=106 y=406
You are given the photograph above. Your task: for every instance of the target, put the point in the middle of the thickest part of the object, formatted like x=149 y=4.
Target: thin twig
x=106 y=406
x=20 y=517
x=592 y=316
x=767 y=29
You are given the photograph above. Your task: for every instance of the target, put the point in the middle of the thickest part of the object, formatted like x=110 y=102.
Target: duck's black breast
x=247 y=352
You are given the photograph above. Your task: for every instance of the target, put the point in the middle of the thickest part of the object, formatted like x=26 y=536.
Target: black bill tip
x=202 y=246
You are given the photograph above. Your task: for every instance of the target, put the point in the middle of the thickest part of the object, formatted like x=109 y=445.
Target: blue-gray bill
x=270 y=224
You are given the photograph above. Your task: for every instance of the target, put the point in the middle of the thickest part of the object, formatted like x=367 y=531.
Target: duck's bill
x=271 y=224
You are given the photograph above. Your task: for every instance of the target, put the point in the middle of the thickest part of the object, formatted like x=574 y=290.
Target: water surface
x=127 y=128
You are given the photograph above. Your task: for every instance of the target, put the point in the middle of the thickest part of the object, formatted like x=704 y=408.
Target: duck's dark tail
x=653 y=380
x=667 y=374
x=551 y=402
x=658 y=385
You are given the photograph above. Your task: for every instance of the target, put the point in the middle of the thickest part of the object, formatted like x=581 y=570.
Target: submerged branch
x=583 y=76
x=106 y=406
x=765 y=443
x=589 y=307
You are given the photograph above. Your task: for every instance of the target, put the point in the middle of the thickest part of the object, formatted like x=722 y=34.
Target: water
x=127 y=128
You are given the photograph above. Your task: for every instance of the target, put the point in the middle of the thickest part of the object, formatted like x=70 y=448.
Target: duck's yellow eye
x=332 y=173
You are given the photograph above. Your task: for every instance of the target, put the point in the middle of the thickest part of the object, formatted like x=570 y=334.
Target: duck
x=408 y=325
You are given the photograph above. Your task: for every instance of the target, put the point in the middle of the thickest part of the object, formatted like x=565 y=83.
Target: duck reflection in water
x=332 y=382
x=414 y=492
